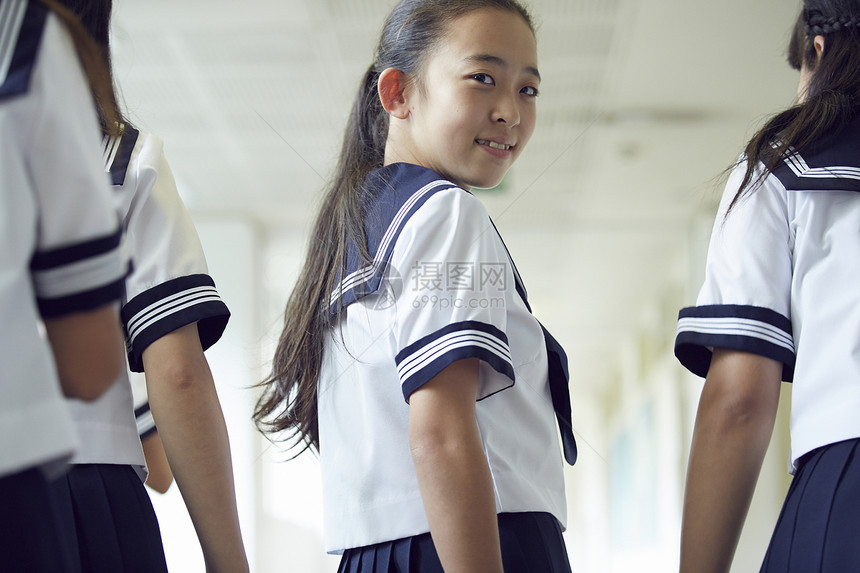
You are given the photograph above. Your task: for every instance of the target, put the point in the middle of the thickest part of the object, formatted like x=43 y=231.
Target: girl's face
x=473 y=109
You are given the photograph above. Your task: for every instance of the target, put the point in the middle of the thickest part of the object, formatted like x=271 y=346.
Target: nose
x=507 y=110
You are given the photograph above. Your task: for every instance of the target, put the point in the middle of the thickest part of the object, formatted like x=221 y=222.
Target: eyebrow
x=488 y=58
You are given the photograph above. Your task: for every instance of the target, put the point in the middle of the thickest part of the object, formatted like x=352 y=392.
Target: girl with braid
x=409 y=358
x=780 y=302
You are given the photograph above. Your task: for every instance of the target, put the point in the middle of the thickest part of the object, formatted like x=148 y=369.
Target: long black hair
x=95 y=16
x=94 y=56
x=832 y=97
x=288 y=403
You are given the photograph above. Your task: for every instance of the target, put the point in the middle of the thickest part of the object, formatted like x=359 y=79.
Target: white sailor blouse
x=441 y=287
x=61 y=237
x=169 y=287
x=781 y=281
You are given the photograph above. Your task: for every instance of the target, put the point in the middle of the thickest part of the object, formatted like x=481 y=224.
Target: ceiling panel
x=643 y=103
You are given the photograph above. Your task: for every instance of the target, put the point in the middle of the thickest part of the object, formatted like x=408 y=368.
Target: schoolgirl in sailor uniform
x=169 y=288
x=171 y=314
x=61 y=259
x=442 y=288
x=779 y=303
x=410 y=358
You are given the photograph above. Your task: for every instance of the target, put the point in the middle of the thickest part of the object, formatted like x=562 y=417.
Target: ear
x=818 y=42
x=392 y=88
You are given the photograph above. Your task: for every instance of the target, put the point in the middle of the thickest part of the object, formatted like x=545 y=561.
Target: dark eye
x=484 y=79
x=530 y=91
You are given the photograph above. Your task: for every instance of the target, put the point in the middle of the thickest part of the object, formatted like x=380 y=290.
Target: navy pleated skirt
x=819 y=527
x=106 y=520
x=531 y=543
x=29 y=534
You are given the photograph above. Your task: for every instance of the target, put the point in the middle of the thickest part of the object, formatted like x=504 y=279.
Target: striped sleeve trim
x=169 y=306
x=79 y=277
x=145 y=421
x=21 y=26
x=54 y=258
x=419 y=362
x=751 y=329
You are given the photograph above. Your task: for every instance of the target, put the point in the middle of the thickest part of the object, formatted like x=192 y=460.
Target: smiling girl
x=409 y=357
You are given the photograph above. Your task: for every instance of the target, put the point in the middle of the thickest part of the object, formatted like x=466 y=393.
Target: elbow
x=420 y=447
x=90 y=380
x=749 y=410
x=741 y=392
x=182 y=378
x=87 y=390
x=175 y=365
x=88 y=351
x=737 y=412
x=435 y=445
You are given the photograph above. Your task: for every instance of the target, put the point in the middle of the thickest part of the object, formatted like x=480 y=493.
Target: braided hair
x=832 y=97
x=819 y=25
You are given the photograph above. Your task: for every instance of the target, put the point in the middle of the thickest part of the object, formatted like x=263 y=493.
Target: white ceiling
x=643 y=103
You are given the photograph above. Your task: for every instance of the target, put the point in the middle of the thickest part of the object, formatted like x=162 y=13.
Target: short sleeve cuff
x=419 y=362
x=170 y=306
x=750 y=329
x=80 y=277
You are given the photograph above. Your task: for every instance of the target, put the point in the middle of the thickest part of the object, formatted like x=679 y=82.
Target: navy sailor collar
x=833 y=166
x=116 y=153
x=21 y=27
x=397 y=191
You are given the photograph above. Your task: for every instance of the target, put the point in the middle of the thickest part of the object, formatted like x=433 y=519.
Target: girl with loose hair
x=171 y=313
x=409 y=358
x=779 y=302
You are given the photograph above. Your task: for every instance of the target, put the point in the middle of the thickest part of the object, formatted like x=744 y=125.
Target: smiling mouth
x=494 y=145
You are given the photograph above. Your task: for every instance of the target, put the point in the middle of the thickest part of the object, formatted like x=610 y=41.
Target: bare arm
x=452 y=469
x=734 y=424
x=159 y=476
x=88 y=351
x=189 y=418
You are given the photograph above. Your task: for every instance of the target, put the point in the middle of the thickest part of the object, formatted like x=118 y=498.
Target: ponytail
x=288 y=403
